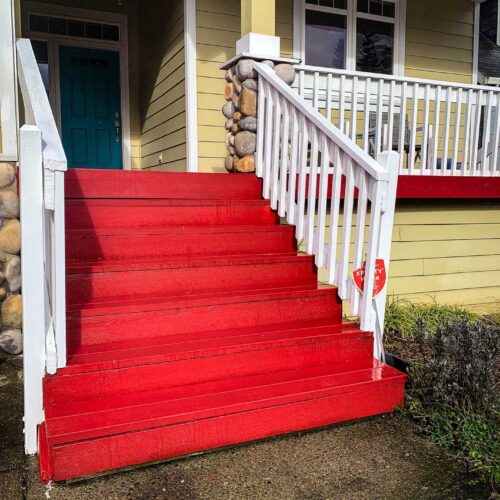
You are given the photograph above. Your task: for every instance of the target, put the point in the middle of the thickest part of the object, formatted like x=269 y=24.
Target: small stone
x=227 y=139
x=229 y=163
x=13 y=274
x=229 y=123
x=250 y=85
x=229 y=91
x=3 y=293
x=229 y=75
x=245 y=143
x=9 y=204
x=10 y=237
x=269 y=63
x=231 y=139
x=237 y=84
x=7 y=174
x=231 y=150
x=245 y=164
x=245 y=69
x=237 y=117
x=228 y=109
x=236 y=101
x=3 y=257
x=286 y=72
x=11 y=341
x=248 y=123
x=235 y=129
x=12 y=311
x=248 y=102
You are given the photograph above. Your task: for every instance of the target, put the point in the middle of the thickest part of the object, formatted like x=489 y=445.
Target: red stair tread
x=147 y=202
x=272 y=391
x=153 y=350
x=161 y=303
x=184 y=262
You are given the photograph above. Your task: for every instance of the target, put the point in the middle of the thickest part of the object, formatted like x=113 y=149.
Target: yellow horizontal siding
x=163 y=104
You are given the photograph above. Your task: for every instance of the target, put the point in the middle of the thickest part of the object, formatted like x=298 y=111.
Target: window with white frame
x=357 y=35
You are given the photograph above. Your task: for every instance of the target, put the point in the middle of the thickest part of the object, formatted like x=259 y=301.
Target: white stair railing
x=307 y=164
x=42 y=164
x=438 y=128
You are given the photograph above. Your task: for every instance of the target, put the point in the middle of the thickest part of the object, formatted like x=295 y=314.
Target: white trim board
x=190 y=85
x=399 y=22
x=55 y=41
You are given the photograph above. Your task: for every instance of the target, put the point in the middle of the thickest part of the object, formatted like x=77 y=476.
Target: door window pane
x=374 y=46
x=325 y=39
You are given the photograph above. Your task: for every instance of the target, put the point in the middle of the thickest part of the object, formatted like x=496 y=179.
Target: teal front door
x=90 y=107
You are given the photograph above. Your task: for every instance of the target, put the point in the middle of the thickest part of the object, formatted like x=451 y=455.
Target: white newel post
x=33 y=280
x=389 y=160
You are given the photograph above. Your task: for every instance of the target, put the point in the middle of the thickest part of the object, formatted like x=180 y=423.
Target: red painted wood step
x=253 y=408
x=129 y=244
x=91 y=183
x=216 y=312
x=216 y=360
x=121 y=281
x=81 y=214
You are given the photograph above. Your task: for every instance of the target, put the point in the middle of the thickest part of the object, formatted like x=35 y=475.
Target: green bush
x=403 y=317
x=454 y=389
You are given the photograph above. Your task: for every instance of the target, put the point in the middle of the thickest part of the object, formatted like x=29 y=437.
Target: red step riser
x=89 y=183
x=122 y=450
x=190 y=320
x=101 y=287
x=161 y=216
x=313 y=352
x=172 y=244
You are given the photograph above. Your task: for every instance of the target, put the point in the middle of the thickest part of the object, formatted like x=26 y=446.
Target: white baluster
x=390 y=121
x=447 y=125
x=425 y=141
x=435 y=142
x=485 y=170
x=319 y=239
x=402 y=126
x=354 y=107
x=268 y=138
x=311 y=199
x=414 y=116
x=275 y=165
x=366 y=116
x=328 y=100
x=302 y=166
x=475 y=135
x=456 y=134
x=378 y=133
x=342 y=103
x=496 y=138
x=338 y=167
x=294 y=158
x=285 y=145
x=467 y=133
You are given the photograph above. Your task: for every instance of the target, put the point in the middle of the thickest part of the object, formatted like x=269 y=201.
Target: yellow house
x=149 y=297
x=171 y=93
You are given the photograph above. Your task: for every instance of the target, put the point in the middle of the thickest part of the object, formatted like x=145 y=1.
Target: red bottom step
x=82 y=445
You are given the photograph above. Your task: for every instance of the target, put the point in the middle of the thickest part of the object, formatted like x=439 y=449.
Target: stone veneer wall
x=240 y=111
x=11 y=339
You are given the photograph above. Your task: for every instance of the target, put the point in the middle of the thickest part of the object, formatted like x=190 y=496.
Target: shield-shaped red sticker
x=380 y=277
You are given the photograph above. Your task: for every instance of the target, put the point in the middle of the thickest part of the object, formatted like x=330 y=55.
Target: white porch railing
x=296 y=150
x=42 y=164
x=438 y=128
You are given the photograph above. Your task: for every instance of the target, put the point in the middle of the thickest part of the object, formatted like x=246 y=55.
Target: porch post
x=258 y=19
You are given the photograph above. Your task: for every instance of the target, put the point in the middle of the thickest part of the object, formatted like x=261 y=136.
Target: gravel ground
x=378 y=458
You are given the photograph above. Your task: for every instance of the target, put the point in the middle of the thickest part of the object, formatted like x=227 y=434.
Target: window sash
x=352 y=15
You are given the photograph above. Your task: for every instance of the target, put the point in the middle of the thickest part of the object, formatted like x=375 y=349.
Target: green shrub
x=454 y=389
x=403 y=316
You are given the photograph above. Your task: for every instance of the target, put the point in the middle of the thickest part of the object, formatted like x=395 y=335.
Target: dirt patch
x=382 y=457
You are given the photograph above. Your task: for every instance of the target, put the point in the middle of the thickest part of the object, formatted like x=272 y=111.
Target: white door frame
x=55 y=41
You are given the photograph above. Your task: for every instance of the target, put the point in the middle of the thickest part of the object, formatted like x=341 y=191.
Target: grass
x=403 y=316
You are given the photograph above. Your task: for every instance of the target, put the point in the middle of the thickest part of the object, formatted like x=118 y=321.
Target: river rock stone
x=245 y=69
x=9 y=204
x=286 y=72
x=229 y=163
x=228 y=135
x=229 y=91
x=236 y=101
x=235 y=129
x=231 y=150
x=245 y=164
x=237 y=84
x=3 y=293
x=229 y=123
x=228 y=109
x=237 y=116
x=11 y=341
x=245 y=143
x=229 y=75
x=269 y=63
x=250 y=84
x=7 y=174
x=12 y=312
x=248 y=123
x=248 y=102
x=13 y=274
x=10 y=237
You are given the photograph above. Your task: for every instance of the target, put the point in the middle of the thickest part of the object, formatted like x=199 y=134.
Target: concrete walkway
x=377 y=458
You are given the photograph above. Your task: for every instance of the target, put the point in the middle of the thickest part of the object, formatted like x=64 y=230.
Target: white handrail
x=297 y=151
x=42 y=164
x=438 y=128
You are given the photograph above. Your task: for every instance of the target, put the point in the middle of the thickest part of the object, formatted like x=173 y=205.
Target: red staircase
x=193 y=323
